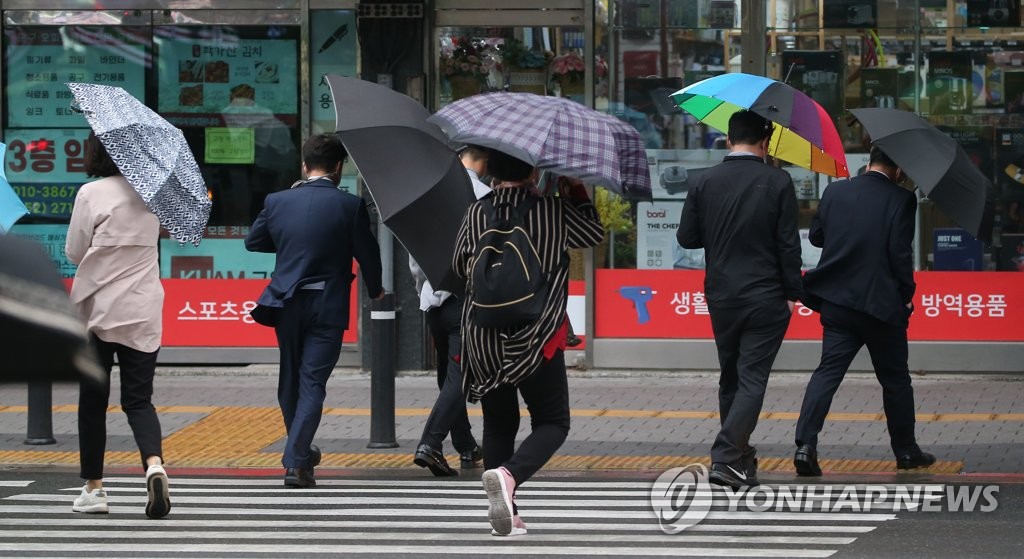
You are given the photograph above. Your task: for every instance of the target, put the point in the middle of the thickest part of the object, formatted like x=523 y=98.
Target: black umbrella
x=419 y=185
x=936 y=163
x=41 y=334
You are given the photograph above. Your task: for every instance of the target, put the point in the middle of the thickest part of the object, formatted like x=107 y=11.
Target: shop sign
x=46 y=167
x=41 y=60
x=215 y=313
x=950 y=306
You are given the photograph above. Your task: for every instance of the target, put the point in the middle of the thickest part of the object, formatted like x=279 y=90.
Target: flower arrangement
x=567 y=67
x=515 y=54
x=469 y=58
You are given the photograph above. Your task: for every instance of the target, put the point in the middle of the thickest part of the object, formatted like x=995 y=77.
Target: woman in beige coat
x=113 y=238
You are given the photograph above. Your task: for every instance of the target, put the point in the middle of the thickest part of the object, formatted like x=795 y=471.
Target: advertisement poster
x=671 y=304
x=53 y=237
x=214 y=258
x=977 y=143
x=40 y=60
x=956 y=250
x=879 y=87
x=333 y=41
x=673 y=170
x=819 y=74
x=656 y=245
x=206 y=71
x=809 y=254
x=46 y=167
x=950 y=87
x=1009 y=182
x=855 y=14
x=993 y=13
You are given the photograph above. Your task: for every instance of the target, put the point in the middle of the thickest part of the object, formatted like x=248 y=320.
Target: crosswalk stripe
x=441 y=523
x=237 y=517
x=556 y=513
x=501 y=546
x=434 y=501
x=15 y=483
x=422 y=536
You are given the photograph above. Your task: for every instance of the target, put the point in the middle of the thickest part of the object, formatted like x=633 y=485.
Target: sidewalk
x=228 y=417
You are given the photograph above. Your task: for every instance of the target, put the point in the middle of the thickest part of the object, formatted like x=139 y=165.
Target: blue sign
x=957 y=250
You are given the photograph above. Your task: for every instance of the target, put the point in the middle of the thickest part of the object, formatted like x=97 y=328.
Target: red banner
x=215 y=313
x=950 y=306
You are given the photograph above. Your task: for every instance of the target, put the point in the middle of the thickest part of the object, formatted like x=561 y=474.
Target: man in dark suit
x=863 y=286
x=315 y=229
x=744 y=214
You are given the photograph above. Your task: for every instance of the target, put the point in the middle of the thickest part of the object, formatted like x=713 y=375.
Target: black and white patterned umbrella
x=152 y=155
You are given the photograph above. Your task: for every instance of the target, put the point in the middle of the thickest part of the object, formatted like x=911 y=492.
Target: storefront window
x=645 y=51
x=43 y=134
x=540 y=60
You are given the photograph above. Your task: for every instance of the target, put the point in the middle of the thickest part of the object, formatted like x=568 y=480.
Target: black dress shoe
x=314 y=456
x=729 y=475
x=471 y=459
x=299 y=477
x=806 y=461
x=432 y=459
x=912 y=460
x=750 y=468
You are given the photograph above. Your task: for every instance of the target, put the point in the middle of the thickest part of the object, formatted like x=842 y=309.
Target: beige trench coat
x=113 y=238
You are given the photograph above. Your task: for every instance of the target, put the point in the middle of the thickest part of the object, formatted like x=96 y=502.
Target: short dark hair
x=878 y=156
x=97 y=161
x=748 y=127
x=323 y=152
x=475 y=153
x=504 y=167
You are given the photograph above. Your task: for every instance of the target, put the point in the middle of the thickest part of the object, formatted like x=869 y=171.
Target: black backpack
x=508 y=284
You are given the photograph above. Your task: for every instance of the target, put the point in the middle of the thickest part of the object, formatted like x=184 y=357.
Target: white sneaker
x=158 y=503
x=92 y=502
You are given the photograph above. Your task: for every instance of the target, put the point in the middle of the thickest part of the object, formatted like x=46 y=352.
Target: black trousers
x=449 y=411
x=846 y=331
x=546 y=393
x=137 y=371
x=309 y=352
x=748 y=339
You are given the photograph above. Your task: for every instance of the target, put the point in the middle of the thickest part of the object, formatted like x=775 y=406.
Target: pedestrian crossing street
x=346 y=517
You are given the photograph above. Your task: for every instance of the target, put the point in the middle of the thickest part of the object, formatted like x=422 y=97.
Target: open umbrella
x=555 y=134
x=11 y=207
x=937 y=164
x=152 y=155
x=42 y=336
x=804 y=135
x=420 y=187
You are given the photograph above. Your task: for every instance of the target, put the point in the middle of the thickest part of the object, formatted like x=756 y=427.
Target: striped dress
x=493 y=357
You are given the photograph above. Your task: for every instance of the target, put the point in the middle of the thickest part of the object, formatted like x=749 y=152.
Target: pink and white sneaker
x=500 y=486
x=518 y=527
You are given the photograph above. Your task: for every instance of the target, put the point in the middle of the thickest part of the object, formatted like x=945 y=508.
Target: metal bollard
x=40 y=413
x=382 y=373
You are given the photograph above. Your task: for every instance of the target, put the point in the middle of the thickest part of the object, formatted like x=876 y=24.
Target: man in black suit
x=863 y=286
x=744 y=214
x=315 y=229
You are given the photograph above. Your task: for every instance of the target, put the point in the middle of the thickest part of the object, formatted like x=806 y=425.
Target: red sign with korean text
x=215 y=313
x=953 y=306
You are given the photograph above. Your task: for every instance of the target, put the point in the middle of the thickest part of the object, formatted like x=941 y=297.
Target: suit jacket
x=865 y=226
x=316 y=230
x=743 y=213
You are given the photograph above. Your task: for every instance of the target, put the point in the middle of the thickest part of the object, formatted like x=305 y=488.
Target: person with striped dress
x=528 y=360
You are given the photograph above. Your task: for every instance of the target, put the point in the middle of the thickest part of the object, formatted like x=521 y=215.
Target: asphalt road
x=392 y=513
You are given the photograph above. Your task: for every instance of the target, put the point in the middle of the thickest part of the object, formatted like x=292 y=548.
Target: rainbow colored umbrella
x=804 y=135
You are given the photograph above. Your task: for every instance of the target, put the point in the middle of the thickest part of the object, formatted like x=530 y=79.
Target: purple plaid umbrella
x=555 y=134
